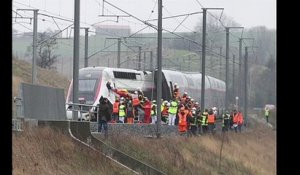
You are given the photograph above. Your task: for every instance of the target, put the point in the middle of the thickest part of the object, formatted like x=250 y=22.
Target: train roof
x=100 y=68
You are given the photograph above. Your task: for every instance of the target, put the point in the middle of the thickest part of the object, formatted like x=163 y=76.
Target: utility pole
x=203 y=54
x=151 y=60
x=86 y=63
x=203 y=59
x=140 y=59
x=144 y=60
x=119 y=53
x=159 y=70
x=227 y=65
x=240 y=65
x=240 y=68
x=220 y=63
x=245 y=85
x=233 y=70
x=34 y=45
x=189 y=62
x=76 y=57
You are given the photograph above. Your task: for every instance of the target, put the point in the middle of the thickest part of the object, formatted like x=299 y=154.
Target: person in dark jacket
x=104 y=115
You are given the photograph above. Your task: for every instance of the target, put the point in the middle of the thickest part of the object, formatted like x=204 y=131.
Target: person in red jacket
x=147 y=110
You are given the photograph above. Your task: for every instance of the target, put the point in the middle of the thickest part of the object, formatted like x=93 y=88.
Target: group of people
x=182 y=111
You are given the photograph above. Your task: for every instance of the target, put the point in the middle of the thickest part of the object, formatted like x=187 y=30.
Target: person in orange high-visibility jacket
x=182 y=123
x=211 y=121
x=115 y=113
x=240 y=121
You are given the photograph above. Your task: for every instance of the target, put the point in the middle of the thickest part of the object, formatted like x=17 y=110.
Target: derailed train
x=92 y=85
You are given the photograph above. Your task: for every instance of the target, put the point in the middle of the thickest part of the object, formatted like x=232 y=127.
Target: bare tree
x=46 y=55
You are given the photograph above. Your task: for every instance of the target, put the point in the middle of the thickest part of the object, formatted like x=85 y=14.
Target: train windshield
x=88 y=83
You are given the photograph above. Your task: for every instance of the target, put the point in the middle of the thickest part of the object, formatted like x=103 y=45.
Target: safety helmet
x=168 y=104
x=135 y=92
x=185 y=93
x=192 y=99
x=153 y=101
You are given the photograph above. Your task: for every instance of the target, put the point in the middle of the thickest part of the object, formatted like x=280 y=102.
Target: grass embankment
x=22 y=73
x=45 y=151
x=252 y=152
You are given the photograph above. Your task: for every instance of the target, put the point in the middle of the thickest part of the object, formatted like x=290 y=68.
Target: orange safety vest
x=182 y=119
x=135 y=101
x=235 y=118
x=116 y=107
x=240 y=119
x=211 y=118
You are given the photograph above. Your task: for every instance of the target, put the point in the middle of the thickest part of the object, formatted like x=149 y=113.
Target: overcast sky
x=247 y=13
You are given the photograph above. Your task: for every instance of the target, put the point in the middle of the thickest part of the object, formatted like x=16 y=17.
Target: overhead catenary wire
x=153 y=26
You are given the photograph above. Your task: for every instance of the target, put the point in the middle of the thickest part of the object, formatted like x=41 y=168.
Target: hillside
x=22 y=73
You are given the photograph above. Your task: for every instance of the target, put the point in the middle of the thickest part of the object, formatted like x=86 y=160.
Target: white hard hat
x=185 y=93
x=135 y=92
x=168 y=104
x=175 y=84
x=192 y=99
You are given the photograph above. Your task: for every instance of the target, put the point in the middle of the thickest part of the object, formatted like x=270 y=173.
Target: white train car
x=191 y=83
x=92 y=84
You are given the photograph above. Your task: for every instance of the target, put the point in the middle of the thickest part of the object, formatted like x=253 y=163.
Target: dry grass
x=22 y=73
x=47 y=152
x=252 y=152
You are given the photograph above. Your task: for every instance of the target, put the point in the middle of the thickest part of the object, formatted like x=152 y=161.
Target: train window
x=125 y=75
x=87 y=85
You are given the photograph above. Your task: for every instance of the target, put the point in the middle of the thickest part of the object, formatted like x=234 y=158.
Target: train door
x=165 y=94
